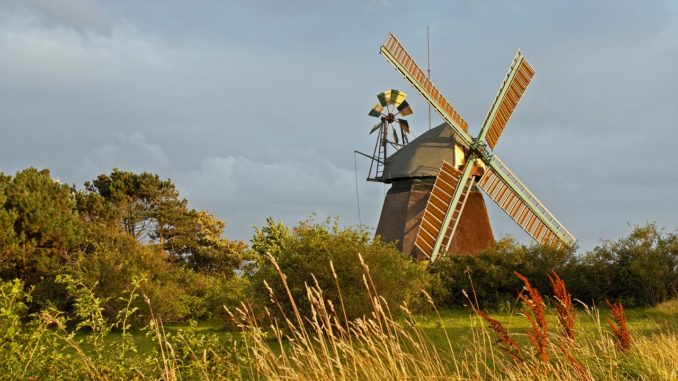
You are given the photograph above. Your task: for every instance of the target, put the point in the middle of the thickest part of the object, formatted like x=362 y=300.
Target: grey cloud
x=83 y=16
x=133 y=153
x=246 y=191
x=255 y=109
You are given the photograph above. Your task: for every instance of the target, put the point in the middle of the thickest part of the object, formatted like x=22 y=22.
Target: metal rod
x=357 y=193
x=428 y=70
x=367 y=156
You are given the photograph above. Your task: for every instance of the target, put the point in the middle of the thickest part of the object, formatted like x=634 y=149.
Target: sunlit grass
x=457 y=323
x=453 y=345
x=324 y=345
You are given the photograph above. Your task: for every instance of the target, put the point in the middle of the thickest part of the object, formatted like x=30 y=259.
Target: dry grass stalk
x=619 y=327
x=577 y=366
x=564 y=307
x=538 y=334
x=504 y=342
x=566 y=314
x=167 y=363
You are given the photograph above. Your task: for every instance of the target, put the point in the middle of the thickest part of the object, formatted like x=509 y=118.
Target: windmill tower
x=434 y=204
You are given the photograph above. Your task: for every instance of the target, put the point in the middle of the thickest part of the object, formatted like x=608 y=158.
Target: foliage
x=115 y=259
x=149 y=209
x=202 y=246
x=40 y=231
x=7 y=218
x=143 y=202
x=51 y=346
x=640 y=269
x=48 y=345
x=321 y=345
x=121 y=227
x=39 y=227
x=492 y=273
x=326 y=255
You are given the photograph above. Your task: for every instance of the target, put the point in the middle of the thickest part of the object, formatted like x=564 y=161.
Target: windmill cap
x=423 y=156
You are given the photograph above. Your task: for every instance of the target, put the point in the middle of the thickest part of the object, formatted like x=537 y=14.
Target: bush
x=492 y=273
x=185 y=294
x=53 y=345
x=115 y=259
x=638 y=270
x=305 y=252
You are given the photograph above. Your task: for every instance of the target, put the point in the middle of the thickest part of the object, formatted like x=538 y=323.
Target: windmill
x=390 y=109
x=462 y=163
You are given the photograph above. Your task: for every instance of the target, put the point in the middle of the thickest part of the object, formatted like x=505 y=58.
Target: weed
x=534 y=313
x=619 y=327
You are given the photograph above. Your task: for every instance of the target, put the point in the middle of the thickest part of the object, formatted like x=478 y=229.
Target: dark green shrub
x=491 y=272
x=640 y=269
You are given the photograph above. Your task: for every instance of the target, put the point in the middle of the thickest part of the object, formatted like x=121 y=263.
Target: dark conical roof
x=423 y=156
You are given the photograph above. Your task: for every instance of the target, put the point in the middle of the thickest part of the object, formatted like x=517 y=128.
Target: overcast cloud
x=254 y=108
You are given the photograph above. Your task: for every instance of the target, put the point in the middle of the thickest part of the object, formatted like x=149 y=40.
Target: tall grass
x=325 y=346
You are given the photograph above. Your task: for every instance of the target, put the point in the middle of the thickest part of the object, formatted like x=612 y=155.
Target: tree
x=197 y=239
x=271 y=238
x=150 y=210
x=7 y=218
x=492 y=273
x=145 y=205
x=40 y=226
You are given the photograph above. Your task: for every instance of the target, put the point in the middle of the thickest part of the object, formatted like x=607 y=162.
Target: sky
x=254 y=108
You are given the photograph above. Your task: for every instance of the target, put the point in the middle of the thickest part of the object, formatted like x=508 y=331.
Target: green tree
x=197 y=238
x=7 y=218
x=145 y=205
x=150 y=210
x=491 y=271
x=271 y=238
x=45 y=232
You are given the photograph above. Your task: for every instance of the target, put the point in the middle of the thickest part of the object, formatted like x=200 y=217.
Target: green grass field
x=460 y=325
x=447 y=344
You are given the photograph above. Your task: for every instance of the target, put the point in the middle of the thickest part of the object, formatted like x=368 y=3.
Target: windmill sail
x=376 y=110
x=443 y=209
x=507 y=191
x=452 y=186
x=395 y=54
x=404 y=109
x=516 y=81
